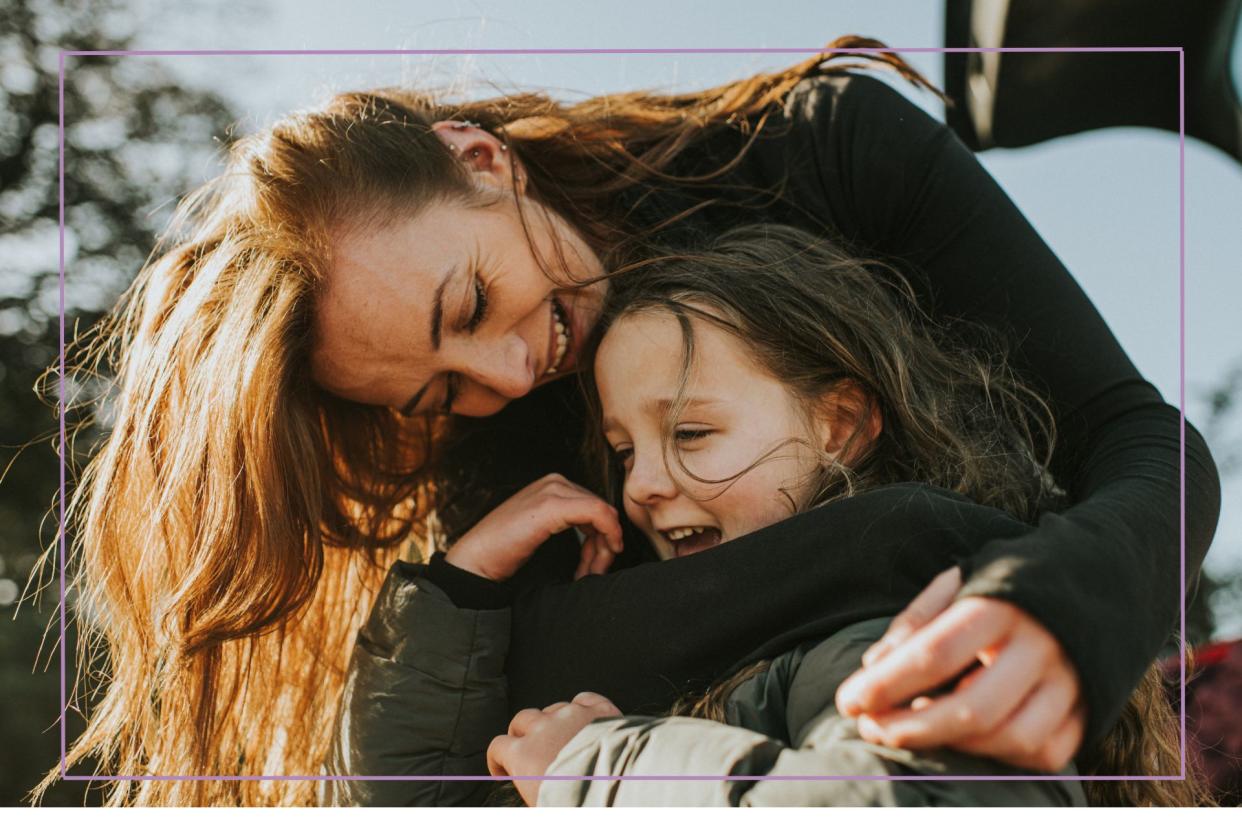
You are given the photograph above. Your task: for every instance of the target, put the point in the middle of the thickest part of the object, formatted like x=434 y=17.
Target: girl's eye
x=623 y=455
x=480 y=305
x=687 y=435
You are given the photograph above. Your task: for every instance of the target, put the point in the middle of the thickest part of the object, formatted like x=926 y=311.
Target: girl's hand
x=1023 y=706
x=597 y=556
x=537 y=736
x=502 y=542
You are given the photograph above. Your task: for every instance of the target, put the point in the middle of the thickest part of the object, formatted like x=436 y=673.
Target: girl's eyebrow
x=663 y=404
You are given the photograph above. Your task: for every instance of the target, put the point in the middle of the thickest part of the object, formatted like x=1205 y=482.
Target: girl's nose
x=649 y=480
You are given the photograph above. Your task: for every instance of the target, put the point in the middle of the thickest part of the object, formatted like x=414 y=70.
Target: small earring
x=504 y=147
x=453 y=148
x=474 y=153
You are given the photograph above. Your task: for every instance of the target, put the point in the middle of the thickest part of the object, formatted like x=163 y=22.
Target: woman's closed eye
x=480 y=305
x=689 y=435
x=452 y=383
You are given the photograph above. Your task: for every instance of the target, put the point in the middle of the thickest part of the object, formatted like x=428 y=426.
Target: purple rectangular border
x=1181 y=323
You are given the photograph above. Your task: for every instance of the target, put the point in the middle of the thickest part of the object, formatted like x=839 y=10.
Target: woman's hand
x=502 y=542
x=1021 y=705
x=537 y=736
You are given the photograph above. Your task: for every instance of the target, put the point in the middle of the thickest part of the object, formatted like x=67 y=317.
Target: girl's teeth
x=678 y=534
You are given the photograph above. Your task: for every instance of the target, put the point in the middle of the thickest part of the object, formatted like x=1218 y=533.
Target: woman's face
x=450 y=309
x=735 y=415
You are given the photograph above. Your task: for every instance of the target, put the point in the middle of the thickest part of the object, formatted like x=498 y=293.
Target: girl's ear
x=850 y=420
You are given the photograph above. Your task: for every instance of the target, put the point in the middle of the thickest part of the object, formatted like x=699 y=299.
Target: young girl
x=762 y=379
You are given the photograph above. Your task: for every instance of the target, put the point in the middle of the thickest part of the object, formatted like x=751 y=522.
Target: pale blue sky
x=1105 y=201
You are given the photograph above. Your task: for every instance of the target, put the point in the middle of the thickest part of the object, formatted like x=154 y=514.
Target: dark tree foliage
x=135 y=140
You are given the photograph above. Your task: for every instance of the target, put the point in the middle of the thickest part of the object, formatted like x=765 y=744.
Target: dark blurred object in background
x=1014 y=100
x=1214 y=716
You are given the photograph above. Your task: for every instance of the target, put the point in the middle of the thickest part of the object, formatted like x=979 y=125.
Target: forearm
x=637 y=636
x=1104 y=576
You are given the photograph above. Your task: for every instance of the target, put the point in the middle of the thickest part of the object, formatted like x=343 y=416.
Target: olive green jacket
x=418 y=646
x=781 y=723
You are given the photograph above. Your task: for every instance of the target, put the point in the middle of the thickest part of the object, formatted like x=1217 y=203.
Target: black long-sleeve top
x=862 y=163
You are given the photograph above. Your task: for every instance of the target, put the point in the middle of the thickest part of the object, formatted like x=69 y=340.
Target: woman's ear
x=485 y=155
x=850 y=420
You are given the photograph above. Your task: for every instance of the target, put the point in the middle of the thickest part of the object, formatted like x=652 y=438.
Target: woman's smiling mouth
x=560 y=339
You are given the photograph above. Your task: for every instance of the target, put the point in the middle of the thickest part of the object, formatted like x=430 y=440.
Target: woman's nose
x=649 y=480
x=505 y=367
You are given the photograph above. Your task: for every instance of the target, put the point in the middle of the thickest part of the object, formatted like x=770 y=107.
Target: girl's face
x=450 y=310
x=736 y=415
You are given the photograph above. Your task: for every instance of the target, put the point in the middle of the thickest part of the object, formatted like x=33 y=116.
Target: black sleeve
x=647 y=635
x=1102 y=576
x=465 y=589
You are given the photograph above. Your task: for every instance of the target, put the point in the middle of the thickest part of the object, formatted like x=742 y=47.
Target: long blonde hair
x=229 y=536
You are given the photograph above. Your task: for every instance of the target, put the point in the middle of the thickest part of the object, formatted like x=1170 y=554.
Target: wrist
x=466 y=589
x=462 y=557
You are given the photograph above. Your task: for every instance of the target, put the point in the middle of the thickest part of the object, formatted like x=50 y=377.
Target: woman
x=364 y=269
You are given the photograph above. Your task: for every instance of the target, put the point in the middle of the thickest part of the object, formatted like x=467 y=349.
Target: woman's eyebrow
x=437 y=325
x=437 y=308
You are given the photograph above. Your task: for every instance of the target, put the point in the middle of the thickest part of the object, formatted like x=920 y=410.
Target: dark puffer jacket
x=782 y=723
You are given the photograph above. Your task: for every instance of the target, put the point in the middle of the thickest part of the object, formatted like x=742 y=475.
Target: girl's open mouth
x=692 y=539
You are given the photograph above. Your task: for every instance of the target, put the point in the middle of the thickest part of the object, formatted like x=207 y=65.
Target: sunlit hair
x=826 y=323
x=228 y=537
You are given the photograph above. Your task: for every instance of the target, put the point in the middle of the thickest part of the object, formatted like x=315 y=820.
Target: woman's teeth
x=685 y=532
x=562 y=338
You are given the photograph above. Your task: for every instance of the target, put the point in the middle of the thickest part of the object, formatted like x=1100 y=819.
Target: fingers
x=578 y=508
x=1043 y=734
x=931 y=656
x=927 y=605
x=497 y=752
x=974 y=708
x=600 y=704
x=590 y=548
x=523 y=721
x=595 y=559
x=604 y=558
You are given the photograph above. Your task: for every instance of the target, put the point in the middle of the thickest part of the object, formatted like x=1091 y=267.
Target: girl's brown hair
x=824 y=322
x=830 y=325
x=229 y=536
